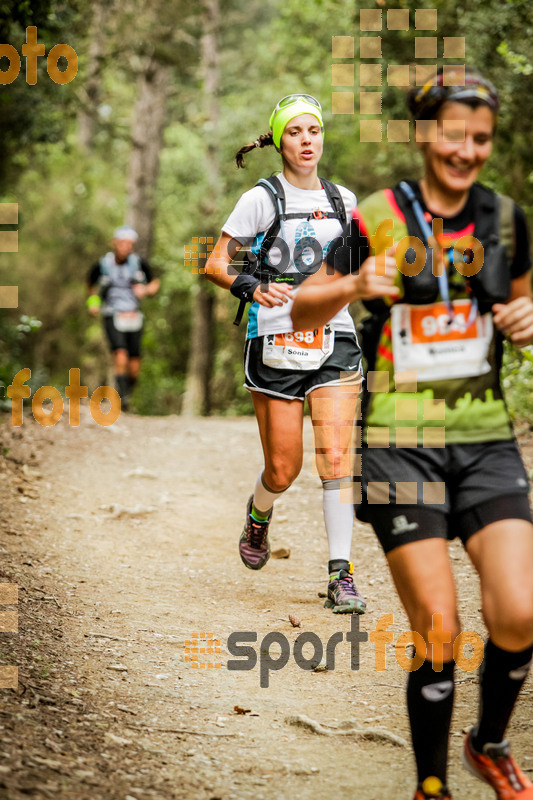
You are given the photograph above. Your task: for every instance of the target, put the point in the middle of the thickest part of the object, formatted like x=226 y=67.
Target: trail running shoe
x=495 y=766
x=432 y=789
x=343 y=597
x=253 y=544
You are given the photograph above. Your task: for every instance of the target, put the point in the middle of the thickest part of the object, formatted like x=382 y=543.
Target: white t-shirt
x=251 y=219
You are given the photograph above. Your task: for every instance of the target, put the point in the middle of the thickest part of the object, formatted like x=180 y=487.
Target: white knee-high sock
x=338 y=517
x=264 y=497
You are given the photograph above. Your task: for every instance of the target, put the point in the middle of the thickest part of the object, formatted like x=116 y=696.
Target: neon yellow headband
x=290 y=107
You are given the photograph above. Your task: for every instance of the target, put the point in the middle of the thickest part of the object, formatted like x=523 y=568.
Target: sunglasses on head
x=291 y=99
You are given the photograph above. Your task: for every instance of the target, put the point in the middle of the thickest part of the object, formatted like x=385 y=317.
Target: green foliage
x=31 y=115
x=17 y=341
x=518 y=381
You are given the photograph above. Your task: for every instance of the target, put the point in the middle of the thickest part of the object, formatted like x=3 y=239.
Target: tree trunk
x=196 y=399
x=147 y=135
x=88 y=116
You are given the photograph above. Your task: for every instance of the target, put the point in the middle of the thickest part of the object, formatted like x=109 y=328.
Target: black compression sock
x=337 y=564
x=502 y=674
x=430 y=705
x=123 y=385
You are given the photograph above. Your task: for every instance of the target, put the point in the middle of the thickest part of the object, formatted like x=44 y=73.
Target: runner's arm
x=93 y=306
x=515 y=318
x=141 y=290
x=219 y=270
x=327 y=291
x=151 y=286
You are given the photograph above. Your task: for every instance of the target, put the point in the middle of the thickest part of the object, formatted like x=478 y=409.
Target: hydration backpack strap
x=105 y=264
x=275 y=189
x=134 y=264
x=334 y=196
x=404 y=203
x=494 y=218
x=506 y=224
x=133 y=261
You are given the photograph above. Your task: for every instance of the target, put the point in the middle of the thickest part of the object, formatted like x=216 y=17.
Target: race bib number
x=128 y=321
x=300 y=350
x=426 y=340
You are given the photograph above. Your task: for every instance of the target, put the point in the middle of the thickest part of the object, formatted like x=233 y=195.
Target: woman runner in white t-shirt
x=283 y=367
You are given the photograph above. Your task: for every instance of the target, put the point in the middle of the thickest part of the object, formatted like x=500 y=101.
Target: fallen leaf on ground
x=281 y=552
x=239 y=710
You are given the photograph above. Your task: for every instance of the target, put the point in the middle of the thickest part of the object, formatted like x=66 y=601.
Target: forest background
x=165 y=93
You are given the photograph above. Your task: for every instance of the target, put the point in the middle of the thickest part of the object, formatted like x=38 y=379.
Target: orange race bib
x=305 y=340
x=298 y=350
x=425 y=339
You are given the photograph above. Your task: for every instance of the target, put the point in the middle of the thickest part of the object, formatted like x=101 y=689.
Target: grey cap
x=126 y=232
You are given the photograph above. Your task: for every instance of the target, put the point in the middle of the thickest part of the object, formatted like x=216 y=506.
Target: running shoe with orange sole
x=432 y=789
x=495 y=766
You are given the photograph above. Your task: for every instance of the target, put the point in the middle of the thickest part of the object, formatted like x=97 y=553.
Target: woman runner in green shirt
x=439 y=458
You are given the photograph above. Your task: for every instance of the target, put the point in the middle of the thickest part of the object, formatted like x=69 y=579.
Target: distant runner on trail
x=288 y=223
x=439 y=457
x=116 y=284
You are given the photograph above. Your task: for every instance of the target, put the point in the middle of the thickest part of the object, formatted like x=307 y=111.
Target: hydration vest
x=256 y=264
x=115 y=284
x=493 y=226
x=493 y=218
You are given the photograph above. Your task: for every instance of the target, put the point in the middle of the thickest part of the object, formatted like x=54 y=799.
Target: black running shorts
x=456 y=490
x=289 y=384
x=119 y=340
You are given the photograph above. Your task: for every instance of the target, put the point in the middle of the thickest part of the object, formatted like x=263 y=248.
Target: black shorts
x=119 y=340
x=291 y=384
x=409 y=494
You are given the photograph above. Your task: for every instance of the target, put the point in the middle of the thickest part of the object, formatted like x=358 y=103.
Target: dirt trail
x=109 y=707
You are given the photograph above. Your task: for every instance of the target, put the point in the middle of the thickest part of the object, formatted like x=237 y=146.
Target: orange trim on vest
x=385 y=353
x=468 y=231
x=356 y=215
x=389 y=195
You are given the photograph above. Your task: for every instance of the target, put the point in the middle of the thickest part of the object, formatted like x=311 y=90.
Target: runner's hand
x=515 y=320
x=139 y=290
x=277 y=294
x=369 y=284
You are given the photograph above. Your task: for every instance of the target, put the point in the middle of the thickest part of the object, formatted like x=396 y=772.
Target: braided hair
x=262 y=141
